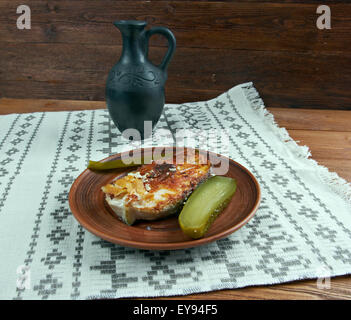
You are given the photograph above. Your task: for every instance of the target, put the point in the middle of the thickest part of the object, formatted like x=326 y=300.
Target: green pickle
x=205 y=204
x=108 y=165
x=118 y=163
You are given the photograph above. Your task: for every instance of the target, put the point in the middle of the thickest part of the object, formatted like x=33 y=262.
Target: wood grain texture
x=73 y=44
x=326 y=144
x=321 y=122
x=76 y=71
x=232 y=25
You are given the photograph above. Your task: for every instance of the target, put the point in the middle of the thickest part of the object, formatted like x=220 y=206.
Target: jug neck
x=133 y=41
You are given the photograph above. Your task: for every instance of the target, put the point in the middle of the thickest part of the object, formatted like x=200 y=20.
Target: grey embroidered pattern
x=300 y=227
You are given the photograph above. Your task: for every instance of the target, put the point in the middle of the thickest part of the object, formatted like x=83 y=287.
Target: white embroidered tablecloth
x=301 y=230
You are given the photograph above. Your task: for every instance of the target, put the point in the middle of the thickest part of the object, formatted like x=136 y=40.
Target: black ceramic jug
x=135 y=86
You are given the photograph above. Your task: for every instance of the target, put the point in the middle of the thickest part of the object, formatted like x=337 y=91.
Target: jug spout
x=133 y=40
x=128 y=27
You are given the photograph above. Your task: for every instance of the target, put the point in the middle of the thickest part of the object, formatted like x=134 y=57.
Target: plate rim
x=164 y=246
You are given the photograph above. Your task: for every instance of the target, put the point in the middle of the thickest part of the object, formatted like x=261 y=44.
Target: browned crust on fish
x=179 y=179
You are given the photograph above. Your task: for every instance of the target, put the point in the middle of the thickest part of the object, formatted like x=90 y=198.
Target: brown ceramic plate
x=91 y=210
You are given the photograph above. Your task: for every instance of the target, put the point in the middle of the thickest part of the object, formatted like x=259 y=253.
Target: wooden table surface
x=328 y=135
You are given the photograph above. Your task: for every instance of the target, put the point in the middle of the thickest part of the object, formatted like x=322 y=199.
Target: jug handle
x=171 y=44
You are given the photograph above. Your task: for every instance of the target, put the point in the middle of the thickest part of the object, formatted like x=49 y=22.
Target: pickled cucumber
x=119 y=163
x=205 y=204
x=116 y=164
x=108 y=165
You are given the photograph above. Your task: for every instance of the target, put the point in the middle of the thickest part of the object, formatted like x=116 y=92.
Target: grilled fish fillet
x=155 y=190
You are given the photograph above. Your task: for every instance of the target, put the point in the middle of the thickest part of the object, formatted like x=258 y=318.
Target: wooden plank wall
x=276 y=44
